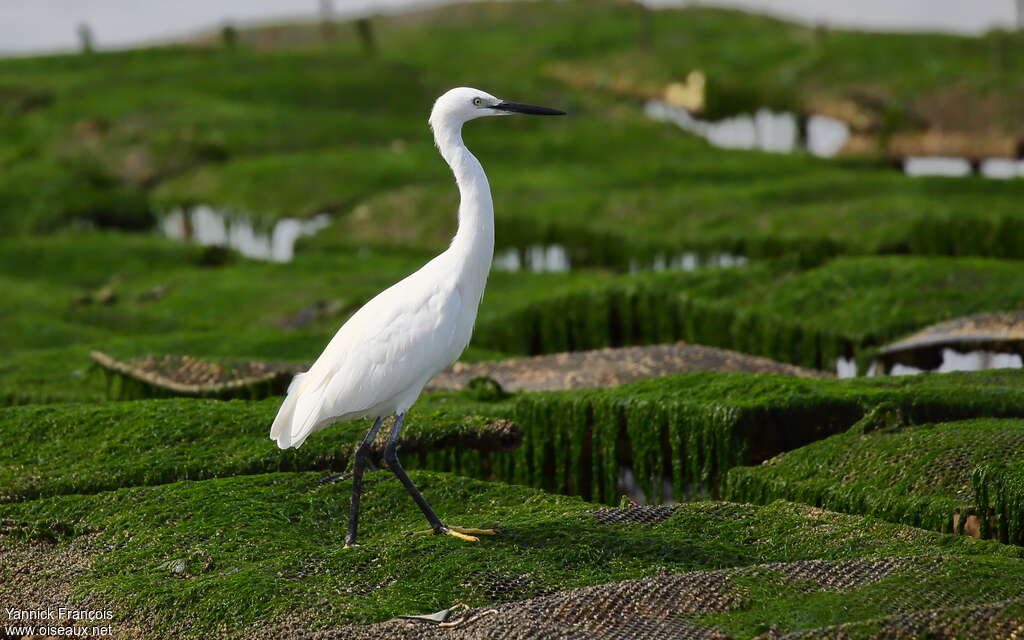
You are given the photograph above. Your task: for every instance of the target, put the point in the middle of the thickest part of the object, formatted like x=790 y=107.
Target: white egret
x=380 y=359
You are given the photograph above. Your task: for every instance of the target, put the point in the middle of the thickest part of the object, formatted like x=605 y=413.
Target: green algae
x=163 y=300
x=975 y=621
x=935 y=476
x=259 y=549
x=85 y=448
x=691 y=428
x=173 y=305
x=843 y=308
x=275 y=133
x=775 y=602
x=999 y=499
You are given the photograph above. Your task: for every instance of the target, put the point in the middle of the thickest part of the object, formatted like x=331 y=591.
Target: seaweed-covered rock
x=842 y=309
x=83 y=448
x=960 y=476
x=262 y=555
x=693 y=428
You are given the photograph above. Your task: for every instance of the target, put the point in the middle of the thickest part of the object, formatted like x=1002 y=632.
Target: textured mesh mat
x=672 y=607
x=185 y=375
x=1001 y=331
x=1006 y=326
x=996 y=621
x=923 y=475
x=191 y=376
x=952 y=454
x=610 y=367
x=651 y=514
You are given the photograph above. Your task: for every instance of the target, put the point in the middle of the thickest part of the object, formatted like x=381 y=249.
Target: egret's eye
x=478 y=102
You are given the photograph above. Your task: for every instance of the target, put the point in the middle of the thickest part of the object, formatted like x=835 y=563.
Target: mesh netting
x=936 y=461
x=924 y=475
x=1005 y=326
x=1000 y=331
x=189 y=376
x=610 y=367
x=997 y=621
x=679 y=606
x=650 y=514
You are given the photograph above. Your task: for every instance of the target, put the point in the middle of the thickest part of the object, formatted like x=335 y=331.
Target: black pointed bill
x=533 y=110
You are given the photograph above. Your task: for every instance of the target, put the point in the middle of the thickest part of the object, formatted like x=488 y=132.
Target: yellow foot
x=352 y=546
x=462 y=533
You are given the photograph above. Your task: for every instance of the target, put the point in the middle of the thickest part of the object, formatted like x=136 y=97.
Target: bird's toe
x=475 y=532
x=457 y=533
x=462 y=533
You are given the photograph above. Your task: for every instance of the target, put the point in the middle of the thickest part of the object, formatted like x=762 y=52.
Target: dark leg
x=391 y=458
x=436 y=526
x=361 y=460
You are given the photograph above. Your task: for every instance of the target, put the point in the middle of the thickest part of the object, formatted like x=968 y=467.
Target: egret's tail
x=281 y=430
x=295 y=420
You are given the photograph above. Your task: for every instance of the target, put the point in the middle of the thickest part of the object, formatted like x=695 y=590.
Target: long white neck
x=472 y=247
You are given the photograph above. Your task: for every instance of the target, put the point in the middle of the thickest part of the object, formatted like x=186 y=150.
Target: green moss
x=691 y=428
x=999 y=498
x=269 y=133
x=165 y=301
x=257 y=549
x=811 y=318
x=81 y=448
x=695 y=427
x=956 y=622
x=932 y=475
x=776 y=600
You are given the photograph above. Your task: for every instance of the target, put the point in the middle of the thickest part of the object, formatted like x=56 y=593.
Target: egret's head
x=463 y=104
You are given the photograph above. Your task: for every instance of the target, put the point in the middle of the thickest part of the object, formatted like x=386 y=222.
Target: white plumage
x=379 y=361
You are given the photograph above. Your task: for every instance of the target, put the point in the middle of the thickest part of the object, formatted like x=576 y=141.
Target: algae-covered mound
x=174 y=305
x=715 y=605
x=843 y=308
x=962 y=476
x=235 y=311
x=693 y=428
x=83 y=448
x=243 y=555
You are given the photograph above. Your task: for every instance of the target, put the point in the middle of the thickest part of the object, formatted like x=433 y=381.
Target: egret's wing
x=394 y=343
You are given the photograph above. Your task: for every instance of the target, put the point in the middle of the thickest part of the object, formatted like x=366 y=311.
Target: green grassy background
x=276 y=132
x=257 y=549
x=844 y=255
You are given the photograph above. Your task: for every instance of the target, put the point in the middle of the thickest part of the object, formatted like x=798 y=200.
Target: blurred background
x=51 y=25
x=194 y=196
x=830 y=185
